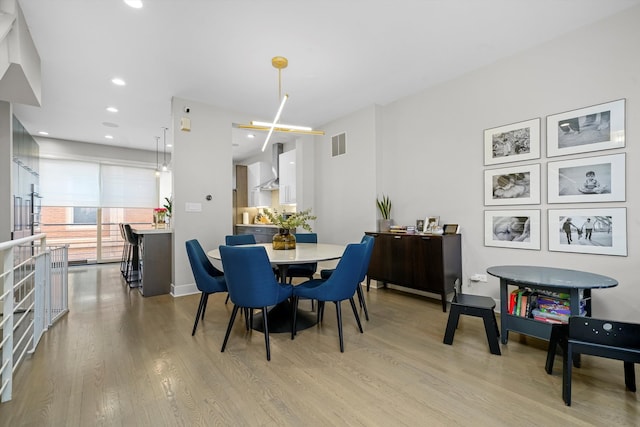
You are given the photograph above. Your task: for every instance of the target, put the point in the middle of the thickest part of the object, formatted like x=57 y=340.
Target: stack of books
x=542 y=305
x=398 y=229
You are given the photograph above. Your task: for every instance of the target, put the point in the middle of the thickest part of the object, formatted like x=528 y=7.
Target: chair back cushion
x=604 y=332
x=240 y=239
x=128 y=232
x=343 y=281
x=208 y=278
x=368 y=241
x=306 y=237
x=250 y=278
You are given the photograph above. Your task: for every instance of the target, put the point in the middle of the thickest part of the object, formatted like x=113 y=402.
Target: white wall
x=430 y=159
x=6 y=171
x=201 y=167
x=345 y=185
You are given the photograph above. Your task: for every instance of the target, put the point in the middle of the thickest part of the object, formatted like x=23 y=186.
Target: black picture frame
x=450 y=229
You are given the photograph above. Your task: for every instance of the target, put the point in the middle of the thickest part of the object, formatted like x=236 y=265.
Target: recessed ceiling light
x=109 y=136
x=169 y=144
x=43 y=133
x=251 y=135
x=118 y=81
x=112 y=109
x=136 y=4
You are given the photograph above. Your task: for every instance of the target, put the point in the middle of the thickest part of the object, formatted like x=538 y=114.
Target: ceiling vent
x=338 y=144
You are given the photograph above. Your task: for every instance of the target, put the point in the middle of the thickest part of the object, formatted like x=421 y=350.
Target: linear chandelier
x=279 y=62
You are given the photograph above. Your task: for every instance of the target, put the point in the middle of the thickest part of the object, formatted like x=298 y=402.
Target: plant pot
x=384 y=224
x=284 y=239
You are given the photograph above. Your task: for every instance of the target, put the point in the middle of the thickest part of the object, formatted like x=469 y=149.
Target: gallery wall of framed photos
x=584 y=223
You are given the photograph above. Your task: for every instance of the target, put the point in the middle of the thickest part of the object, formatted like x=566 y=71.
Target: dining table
x=279 y=316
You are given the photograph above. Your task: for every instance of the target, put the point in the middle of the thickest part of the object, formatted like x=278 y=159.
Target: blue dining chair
x=326 y=273
x=337 y=288
x=251 y=284
x=240 y=239
x=209 y=279
x=303 y=270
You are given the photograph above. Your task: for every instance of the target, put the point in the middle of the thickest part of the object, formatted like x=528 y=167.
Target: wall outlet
x=478 y=278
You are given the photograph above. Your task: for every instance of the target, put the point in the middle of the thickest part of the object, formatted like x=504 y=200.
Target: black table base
x=279 y=319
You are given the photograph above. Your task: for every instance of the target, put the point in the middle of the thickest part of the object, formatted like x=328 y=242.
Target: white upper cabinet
x=287 y=177
x=258 y=173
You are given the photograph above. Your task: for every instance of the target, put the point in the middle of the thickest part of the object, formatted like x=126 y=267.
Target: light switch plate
x=193 y=207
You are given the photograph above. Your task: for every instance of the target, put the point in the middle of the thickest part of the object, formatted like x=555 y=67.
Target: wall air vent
x=338 y=144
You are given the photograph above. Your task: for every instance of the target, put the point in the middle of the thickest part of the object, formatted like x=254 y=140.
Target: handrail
x=19 y=242
x=33 y=295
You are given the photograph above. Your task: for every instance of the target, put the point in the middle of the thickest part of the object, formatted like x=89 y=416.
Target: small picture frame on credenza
x=450 y=229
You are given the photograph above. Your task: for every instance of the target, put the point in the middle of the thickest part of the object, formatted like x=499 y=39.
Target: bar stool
x=124 y=258
x=132 y=272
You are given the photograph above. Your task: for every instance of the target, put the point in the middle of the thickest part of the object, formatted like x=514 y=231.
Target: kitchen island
x=155 y=254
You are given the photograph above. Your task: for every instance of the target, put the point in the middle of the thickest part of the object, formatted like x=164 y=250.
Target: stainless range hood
x=274 y=183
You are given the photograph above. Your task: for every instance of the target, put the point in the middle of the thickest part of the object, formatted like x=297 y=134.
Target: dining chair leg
x=195 y=324
x=204 y=306
x=266 y=332
x=231 y=320
x=339 y=314
x=355 y=313
x=294 y=316
x=226 y=300
x=320 y=313
x=363 y=302
x=247 y=321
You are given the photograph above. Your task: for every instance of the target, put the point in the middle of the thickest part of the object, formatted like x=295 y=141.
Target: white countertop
x=152 y=230
x=256 y=225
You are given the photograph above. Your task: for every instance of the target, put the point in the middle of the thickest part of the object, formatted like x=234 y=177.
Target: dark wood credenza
x=430 y=263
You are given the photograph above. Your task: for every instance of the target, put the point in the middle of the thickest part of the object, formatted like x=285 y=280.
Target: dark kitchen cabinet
x=430 y=263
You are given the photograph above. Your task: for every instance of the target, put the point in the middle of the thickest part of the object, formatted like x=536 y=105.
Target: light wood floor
x=120 y=359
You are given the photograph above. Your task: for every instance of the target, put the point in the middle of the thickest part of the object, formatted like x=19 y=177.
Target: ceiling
x=343 y=55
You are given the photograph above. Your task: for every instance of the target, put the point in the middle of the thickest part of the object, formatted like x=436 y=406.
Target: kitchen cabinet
x=430 y=263
x=258 y=173
x=262 y=233
x=287 y=175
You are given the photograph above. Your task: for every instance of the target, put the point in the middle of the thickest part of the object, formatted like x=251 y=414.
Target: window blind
x=75 y=183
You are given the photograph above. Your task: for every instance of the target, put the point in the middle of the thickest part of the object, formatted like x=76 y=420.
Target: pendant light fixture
x=157 y=156
x=279 y=63
x=165 y=167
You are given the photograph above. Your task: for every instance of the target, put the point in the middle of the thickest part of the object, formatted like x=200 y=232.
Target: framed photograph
x=599 y=127
x=590 y=179
x=419 y=225
x=516 y=185
x=512 y=143
x=431 y=224
x=450 y=229
x=518 y=229
x=588 y=231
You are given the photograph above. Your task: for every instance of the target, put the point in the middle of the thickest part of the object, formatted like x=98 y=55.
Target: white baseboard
x=184 y=290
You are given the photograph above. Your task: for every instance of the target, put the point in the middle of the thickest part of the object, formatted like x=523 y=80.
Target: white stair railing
x=33 y=296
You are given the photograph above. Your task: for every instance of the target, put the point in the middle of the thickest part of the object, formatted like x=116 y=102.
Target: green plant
x=384 y=206
x=168 y=205
x=290 y=220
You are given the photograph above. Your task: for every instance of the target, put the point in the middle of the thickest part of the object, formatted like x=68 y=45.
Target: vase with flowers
x=287 y=222
x=159 y=216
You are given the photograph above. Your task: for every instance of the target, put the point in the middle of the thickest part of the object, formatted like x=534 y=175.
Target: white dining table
x=303 y=253
x=280 y=315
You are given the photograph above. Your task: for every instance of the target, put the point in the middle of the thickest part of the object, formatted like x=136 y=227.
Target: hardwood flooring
x=120 y=359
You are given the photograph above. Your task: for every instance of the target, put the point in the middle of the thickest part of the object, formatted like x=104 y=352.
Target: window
x=85 y=216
